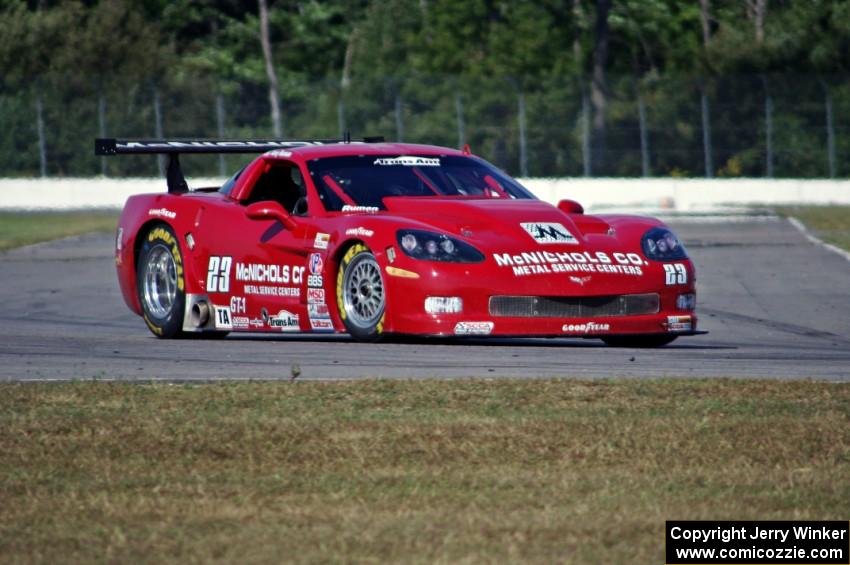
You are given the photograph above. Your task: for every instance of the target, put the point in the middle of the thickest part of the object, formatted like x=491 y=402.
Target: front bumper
x=482 y=324
x=406 y=312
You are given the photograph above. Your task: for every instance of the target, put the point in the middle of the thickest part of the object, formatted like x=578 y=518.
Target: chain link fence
x=728 y=126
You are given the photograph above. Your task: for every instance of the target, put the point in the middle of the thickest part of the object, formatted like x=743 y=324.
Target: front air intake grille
x=574 y=306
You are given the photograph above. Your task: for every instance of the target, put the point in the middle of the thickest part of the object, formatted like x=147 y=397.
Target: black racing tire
x=361 y=294
x=160 y=282
x=639 y=341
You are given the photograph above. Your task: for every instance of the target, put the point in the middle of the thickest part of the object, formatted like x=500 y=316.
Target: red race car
x=373 y=238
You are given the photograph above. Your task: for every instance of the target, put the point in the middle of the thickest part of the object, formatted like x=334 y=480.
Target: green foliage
x=430 y=57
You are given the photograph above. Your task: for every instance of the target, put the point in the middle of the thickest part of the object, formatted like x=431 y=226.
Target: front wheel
x=641 y=341
x=361 y=295
x=159 y=279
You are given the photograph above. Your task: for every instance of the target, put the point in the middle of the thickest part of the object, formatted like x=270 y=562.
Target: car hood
x=510 y=223
x=534 y=248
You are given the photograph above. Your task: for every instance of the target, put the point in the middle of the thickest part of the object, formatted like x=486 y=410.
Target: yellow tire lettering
x=346 y=259
x=339 y=300
x=178 y=261
x=154 y=328
x=161 y=233
x=352 y=252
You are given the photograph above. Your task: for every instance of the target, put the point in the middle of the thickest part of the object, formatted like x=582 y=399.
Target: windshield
x=364 y=180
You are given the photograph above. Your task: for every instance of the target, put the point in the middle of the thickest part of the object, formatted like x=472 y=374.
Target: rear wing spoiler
x=174 y=147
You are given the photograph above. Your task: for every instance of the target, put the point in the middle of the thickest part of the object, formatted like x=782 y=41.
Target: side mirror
x=270 y=210
x=570 y=207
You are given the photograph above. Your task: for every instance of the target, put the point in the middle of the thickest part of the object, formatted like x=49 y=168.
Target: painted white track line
x=808 y=235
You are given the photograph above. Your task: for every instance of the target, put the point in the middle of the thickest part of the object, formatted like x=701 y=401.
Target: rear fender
x=133 y=226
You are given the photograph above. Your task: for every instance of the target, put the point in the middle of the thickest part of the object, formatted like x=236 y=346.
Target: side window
x=228 y=185
x=281 y=183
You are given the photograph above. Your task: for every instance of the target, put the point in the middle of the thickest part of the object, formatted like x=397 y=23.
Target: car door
x=256 y=268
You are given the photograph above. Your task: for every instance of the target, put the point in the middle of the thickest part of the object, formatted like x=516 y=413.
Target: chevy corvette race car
x=372 y=238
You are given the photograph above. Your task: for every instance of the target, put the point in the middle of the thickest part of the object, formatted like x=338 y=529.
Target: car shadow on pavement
x=561 y=342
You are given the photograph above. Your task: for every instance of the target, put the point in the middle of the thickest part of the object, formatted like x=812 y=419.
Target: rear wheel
x=361 y=295
x=160 y=284
x=642 y=341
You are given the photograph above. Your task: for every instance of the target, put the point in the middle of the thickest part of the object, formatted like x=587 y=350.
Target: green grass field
x=829 y=223
x=425 y=471
x=421 y=471
x=25 y=228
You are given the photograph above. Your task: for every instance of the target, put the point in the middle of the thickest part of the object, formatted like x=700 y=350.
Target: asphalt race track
x=776 y=306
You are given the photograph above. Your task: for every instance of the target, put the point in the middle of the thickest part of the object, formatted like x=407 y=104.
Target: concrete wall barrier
x=597 y=194
x=689 y=195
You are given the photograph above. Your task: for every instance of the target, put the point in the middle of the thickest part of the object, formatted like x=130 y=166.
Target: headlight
x=661 y=244
x=431 y=246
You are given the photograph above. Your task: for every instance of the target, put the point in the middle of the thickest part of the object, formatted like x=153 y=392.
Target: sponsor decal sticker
x=261 y=290
x=679 y=324
x=350 y=208
x=240 y=322
x=279 y=153
x=256 y=323
x=222 y=318
x=408 y=161
x=547 y=262
x=359 y=232
x=321 y=241
x=285 y=321
x=281 y=274
x=315 y=277
x=675 y=273
x=321 y=325
x=316 y=295
x=548 y=232
x=474 y=328
x=391 y=254
x=218 y=274
x=581 y=281
x=318 y=311
x=162 y=213
x=588 y=328
x=210 y=143
x=238 y=304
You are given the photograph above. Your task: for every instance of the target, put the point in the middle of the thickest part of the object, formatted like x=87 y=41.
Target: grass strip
x=829 y=223
x=421 y=471
x=25 y=228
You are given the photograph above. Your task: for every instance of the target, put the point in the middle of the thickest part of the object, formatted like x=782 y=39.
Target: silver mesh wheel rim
x=159 y=286
x=363 y=292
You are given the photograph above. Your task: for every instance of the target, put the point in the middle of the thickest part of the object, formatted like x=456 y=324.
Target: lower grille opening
x=574 y=306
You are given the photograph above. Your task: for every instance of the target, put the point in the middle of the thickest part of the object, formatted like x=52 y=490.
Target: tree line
x=548 y=87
